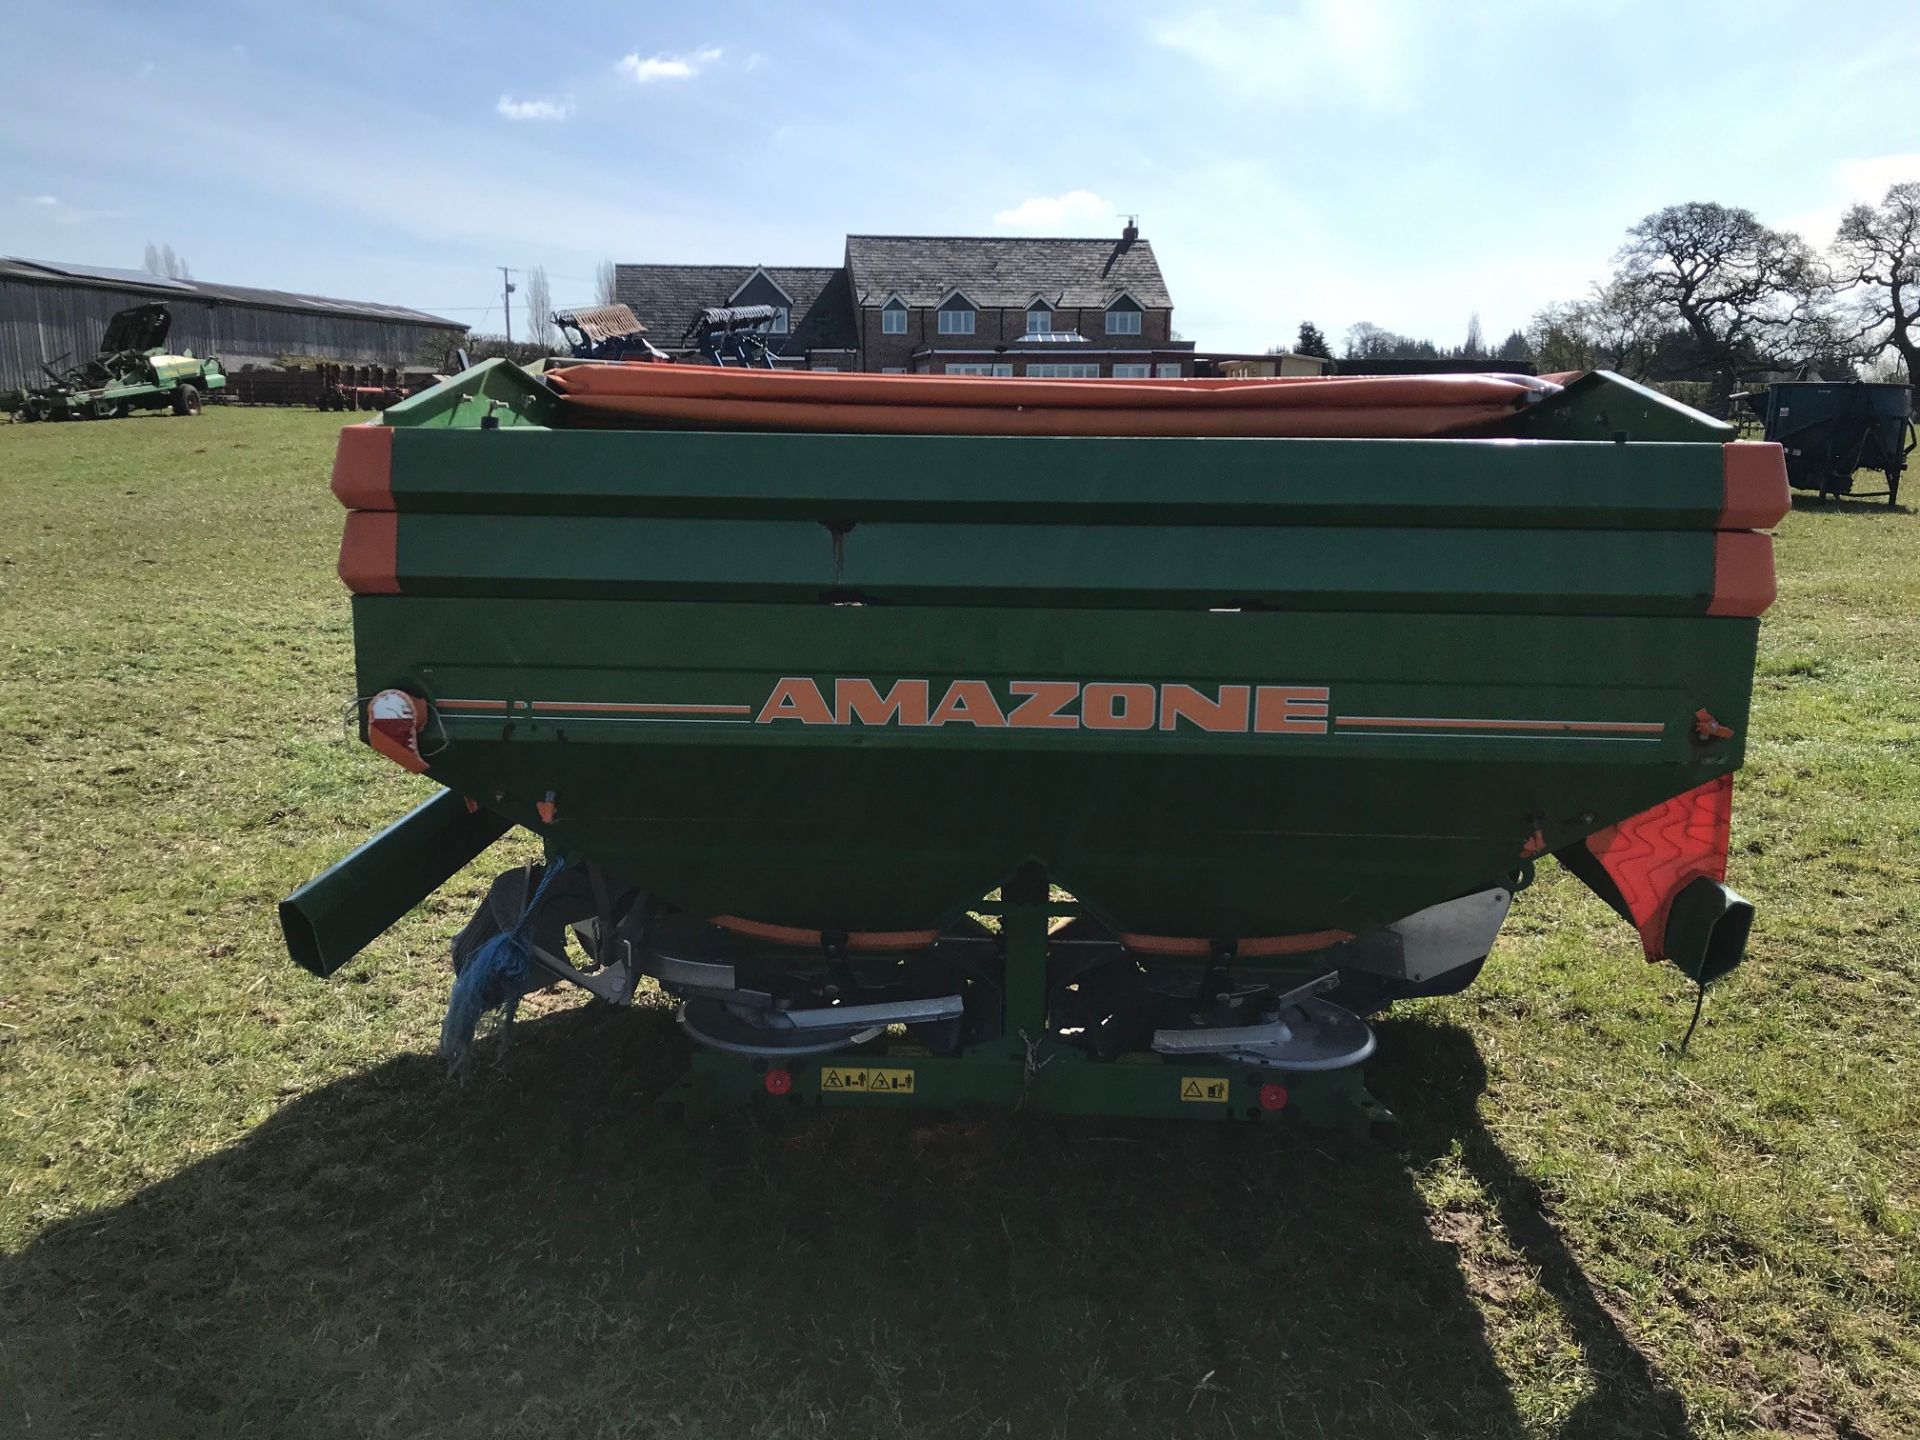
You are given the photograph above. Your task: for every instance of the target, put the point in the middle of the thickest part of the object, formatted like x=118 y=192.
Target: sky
x=1407 y=164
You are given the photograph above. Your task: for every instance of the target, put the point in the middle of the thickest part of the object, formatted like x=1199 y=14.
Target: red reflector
x=1273 y=1097
x=779 y=1082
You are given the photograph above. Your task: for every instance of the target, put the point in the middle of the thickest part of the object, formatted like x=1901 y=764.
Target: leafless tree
x=161 y=260
x=1876 y=256
x=1476 y=342
x=1749 y=297
x=539 y=304
x=605 y=290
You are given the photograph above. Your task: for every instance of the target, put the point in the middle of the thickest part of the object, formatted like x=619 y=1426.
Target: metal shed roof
x=54 y=272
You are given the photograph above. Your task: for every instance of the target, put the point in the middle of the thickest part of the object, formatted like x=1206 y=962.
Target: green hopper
x=1068 y=746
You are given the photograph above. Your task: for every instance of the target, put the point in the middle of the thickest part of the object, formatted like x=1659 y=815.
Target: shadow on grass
x=538 y=1253
x=1847 y=505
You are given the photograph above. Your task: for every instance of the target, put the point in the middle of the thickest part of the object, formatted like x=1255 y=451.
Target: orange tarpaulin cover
x=713 y=397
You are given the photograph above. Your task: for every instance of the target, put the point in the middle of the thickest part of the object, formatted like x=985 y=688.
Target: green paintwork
x=1560 y=580
x=328 y=919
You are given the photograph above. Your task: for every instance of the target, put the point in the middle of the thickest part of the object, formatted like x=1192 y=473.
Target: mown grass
x=235 y=1200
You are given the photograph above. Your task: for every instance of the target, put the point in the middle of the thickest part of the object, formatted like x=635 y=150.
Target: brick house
x=943 y=304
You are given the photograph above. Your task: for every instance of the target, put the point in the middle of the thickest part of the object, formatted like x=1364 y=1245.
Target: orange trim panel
x=370 y=553
x=856 y=939
x=363 y=468
x=1743 y=579
x=1756 y=496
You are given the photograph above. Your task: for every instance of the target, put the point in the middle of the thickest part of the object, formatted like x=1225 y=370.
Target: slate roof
x=998 y=270
x=161 y=288
x=667 y=298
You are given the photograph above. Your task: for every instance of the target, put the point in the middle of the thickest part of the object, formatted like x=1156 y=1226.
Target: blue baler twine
x=494 y=978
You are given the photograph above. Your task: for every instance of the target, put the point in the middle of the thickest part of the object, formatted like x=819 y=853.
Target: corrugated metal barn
x=48 y=310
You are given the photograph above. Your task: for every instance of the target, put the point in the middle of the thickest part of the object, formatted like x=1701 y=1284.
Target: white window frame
x=1039 y=320
x=1000 y=370
x=1123 y=322
x=781 y=322
x=1063 y=370
x=893 y=369
x=1130 y=371
x=824 y=369
x=951 y=317
x=1167 y=371
x=893 y=318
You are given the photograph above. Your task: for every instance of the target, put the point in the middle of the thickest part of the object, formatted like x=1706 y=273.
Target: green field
x=235 y=1200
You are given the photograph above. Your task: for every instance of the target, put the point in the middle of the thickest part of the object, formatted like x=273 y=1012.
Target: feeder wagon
x=1103 y=747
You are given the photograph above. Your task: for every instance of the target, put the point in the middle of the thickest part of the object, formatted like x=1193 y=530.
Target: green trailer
x=133 y=371
x=1096 y=774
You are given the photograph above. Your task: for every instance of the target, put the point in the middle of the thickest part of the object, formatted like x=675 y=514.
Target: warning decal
x=1203 y=1088
x=878 y=1080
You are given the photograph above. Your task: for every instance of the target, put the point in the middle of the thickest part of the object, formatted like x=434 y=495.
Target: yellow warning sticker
x=875 y=1080
x=1202 y=1088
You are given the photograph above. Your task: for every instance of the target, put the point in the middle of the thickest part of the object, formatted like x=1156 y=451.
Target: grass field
x=238 y=1201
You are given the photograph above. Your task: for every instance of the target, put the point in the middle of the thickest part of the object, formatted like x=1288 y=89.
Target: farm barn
x=48 y=310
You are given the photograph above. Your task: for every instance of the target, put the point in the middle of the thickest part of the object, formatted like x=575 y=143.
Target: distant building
x=50 y=310
x=954 y=305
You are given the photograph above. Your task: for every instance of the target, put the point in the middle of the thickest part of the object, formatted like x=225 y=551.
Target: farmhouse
x=49 y=310
x=955 y=305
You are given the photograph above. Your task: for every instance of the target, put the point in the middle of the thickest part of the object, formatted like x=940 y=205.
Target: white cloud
x=1325 y=51
x=535 y=109
x=1861 y=180
x=755 y=61
x=1056 y=210
x=62 y=212
x=667 y=67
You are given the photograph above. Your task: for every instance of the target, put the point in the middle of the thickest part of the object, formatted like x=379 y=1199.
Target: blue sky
x=1404 y=163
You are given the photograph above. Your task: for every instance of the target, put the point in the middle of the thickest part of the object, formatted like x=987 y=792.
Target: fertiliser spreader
x=1106 y=746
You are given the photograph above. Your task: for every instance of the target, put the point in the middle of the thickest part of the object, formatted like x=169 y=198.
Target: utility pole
x=506 y=290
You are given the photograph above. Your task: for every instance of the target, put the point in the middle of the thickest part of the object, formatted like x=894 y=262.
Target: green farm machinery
x=1100 y=747
x=132 y=371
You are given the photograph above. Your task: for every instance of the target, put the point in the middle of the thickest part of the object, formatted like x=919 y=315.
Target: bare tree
x=1876 y=254
x=1476 y=342
x=1749 y=297
x=539 y=304
x=161 y=260
x=606 y=290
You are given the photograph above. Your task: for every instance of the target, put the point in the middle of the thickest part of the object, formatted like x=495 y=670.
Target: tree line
x=1705 y=293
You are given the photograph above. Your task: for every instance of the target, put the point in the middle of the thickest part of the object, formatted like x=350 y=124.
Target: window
x=893 y=318
x=1169 y=372
x=956 y=318
x=1123 y=317
x=1132 y=372
x=1003 y=370
x=779 y=326
x=893 y=369
x=824 y=367
x=1063 y=372
x=1039 y=321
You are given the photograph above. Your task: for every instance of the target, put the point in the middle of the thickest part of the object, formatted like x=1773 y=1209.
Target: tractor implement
x=133 y=371
x=1098 y=747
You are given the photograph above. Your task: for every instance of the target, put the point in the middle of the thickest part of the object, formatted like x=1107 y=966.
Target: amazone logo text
x=1053 y=705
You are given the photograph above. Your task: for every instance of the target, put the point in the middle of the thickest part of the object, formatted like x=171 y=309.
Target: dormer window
x=1039 y=318
x=1123 y=317
x=893 y=317
x=956 y=316
x=779 y=325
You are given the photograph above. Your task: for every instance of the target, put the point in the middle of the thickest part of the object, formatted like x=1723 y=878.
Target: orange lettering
x=1042 y=710
x=1117 y=707
x=968 y=702
x=796 y=698
x=905 y=703
x=1183 y=702
x=1290 y=710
